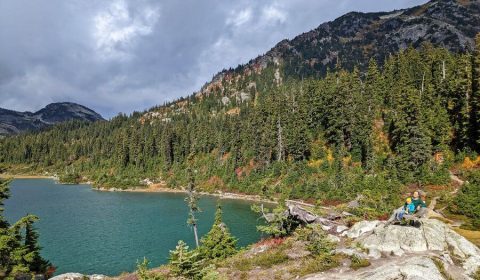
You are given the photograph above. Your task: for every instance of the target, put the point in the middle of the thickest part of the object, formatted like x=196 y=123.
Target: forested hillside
x=372 y=131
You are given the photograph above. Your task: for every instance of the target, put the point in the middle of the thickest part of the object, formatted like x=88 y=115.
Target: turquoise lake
x=86 y=231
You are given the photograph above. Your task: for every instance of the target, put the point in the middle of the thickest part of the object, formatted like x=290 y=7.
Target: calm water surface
x=86 y=231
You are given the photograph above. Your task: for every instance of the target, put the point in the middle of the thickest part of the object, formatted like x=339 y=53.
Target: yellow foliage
x=315 y=163
x=469 y=163
x=347 y=160
x=330 y=157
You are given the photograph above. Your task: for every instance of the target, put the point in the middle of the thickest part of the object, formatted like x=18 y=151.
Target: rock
x=360 y=228
x=78 y=276
x=433 y=235
x=398 y=252
x=242 y=97
x=326 y=228
x=301 y=214
x=393 y=239
x=355 y=203
x=333 y=238
x=28 y=277
x=297 y=251
x=97 y=277
x=341 y=228
x=225 y=100
x=350 y=252
x=258 y=249
x=411 y=268
x=374 y=254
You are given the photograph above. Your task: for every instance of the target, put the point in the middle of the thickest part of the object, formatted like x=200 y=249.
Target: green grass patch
x=358 y=262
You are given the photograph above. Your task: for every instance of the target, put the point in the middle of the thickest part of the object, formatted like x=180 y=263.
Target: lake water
x=86 y=231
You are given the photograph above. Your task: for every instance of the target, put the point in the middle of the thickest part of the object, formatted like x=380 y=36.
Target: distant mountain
x=13 y=122
x=354 y=38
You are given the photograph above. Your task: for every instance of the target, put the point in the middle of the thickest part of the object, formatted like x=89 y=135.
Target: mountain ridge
x=14 y=122
x=452 y=24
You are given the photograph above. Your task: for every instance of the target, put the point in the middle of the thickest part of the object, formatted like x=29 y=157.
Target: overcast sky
x=125 y=55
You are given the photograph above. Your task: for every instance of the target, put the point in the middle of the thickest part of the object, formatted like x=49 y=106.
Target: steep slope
x=354 y=38
x=13 y=122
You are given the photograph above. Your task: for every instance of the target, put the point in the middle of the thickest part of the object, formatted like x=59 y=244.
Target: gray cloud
x=124 y=55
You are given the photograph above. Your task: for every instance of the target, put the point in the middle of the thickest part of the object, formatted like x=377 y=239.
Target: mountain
x=352 y=39
x=13 y=122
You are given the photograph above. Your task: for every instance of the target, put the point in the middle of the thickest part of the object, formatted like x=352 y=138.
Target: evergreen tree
x=19 y=249
x=33 y=259
x=184 y=262
x=192 y=200
x=476 y=94
x=218 y=243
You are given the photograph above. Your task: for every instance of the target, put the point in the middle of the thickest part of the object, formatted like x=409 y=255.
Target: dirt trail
x=459 y=182
x=432 y=213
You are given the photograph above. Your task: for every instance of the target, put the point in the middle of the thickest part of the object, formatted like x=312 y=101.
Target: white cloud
x=116 y=28
x=272 y=14
x=239 y=18
x=124 y=55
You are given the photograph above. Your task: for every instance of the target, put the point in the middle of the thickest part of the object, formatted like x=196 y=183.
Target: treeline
x=362 y=131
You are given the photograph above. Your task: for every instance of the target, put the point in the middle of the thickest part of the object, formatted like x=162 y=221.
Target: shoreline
x=154 y=188
x=26 y=176
x=222 y=195
x=160 y=188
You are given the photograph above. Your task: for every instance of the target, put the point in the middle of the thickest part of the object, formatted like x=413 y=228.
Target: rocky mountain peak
x=13 y=122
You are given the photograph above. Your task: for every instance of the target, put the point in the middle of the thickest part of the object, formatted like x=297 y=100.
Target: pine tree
x=218 y=243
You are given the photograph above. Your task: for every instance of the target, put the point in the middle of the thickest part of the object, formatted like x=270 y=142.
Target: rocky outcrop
x=414 y=268
x=432 y=251
x=78 y=276
x=432 y=236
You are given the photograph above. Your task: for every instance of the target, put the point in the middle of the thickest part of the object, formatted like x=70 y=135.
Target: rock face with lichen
x=432 y=251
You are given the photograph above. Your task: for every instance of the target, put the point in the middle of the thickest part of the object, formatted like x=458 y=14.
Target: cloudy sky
x=125 y=55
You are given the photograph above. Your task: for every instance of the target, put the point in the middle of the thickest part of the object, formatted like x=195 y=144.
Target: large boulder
x=361 y=228
x=411 y=268
x=433 y=235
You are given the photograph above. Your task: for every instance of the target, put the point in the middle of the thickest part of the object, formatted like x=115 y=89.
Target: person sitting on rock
x=420 y=208
x=409 y=206
x=419 y=203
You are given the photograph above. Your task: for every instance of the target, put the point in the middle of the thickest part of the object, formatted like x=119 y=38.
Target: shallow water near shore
x=86 y=231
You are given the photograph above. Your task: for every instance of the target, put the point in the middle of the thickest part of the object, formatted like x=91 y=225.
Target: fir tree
x=184 y=262
x=192 y=200
x=33 y=259
x=476 y=94
x=218 y=243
